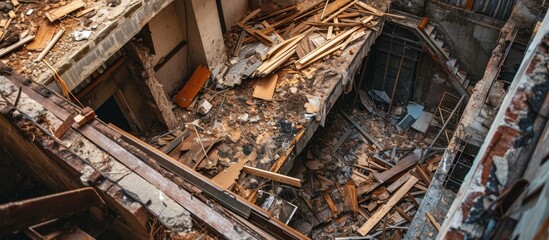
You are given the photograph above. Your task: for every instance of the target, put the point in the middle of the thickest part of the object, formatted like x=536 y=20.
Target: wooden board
x=273 y=176
x=402 y=165
x=265 y=87
x=396 y=184
x=43 y=36
x=64 y=10
x=186 y=95
x=382 y=211
x=433 y=220
x=227 y=177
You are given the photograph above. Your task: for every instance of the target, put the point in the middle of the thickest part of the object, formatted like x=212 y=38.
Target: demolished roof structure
x=188 y=119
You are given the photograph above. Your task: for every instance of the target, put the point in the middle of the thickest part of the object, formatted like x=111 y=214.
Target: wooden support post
x=395 y=85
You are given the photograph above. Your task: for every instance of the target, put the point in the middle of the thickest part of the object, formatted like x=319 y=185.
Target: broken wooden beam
x=273 y=176
x=64 y=10
x=381 y=212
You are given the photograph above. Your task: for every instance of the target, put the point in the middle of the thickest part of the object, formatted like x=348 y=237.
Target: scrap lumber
x=273 y=176
x=331 y=204
x=423 y=175
x=227 y=177
x=403 y=165
x=382 y=211
x=396 y=184
x=187 y=94
x=16 y=45
x=265 y=87
x=84 y=12
x=44 y=34
x=175 y=142
x=350 y=202
x=87 y=114
x=242 y=22
x=433 y=220
x=312 y=56
x=239 y=43
x=50 y=45
x=64 y=10
x=64 y=127
x=403 y=214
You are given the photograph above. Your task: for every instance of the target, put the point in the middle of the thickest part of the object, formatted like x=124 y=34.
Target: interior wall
x=234 y=11
x=471 y=37
x=168 y=30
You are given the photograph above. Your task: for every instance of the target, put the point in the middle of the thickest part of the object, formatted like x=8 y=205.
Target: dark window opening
x=110 y=112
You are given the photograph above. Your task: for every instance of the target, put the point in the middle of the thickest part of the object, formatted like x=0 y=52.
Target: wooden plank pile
x=361 y=189
x=44 y=32
x=282 y=39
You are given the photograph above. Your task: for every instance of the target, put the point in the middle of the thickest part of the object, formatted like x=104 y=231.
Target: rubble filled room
x=274 y=119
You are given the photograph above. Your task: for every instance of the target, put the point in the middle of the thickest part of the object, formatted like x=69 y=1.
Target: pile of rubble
x=352 y=187
x=32 y=31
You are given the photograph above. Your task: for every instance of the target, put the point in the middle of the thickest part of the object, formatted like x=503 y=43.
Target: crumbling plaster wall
x=168 y=30
x=511 y=134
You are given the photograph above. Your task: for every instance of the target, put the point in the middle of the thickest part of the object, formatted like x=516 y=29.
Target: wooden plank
x=342 y=139
x=273 y=176
x=175 y=142
x=227 y=177
x=248 y=17
x=50 y=45
x=331 y=204
x=403 y=214
x=64 y=10
x=16 y=45
x=433 y=221
x=43 y=36
x=265 y=87
x=382 y=211
x=396 y=184
x=403 y=165
x=423 y=175
x=83 y=12
x=61 y=130
x=350 y=202
x=239 y=44
x=186 y=95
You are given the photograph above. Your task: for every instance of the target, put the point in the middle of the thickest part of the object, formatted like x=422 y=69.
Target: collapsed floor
x=366 y=173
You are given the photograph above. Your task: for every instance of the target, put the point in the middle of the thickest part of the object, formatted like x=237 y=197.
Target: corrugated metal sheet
x=500 y=9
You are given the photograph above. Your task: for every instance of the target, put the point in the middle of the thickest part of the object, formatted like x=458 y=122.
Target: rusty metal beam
x=215 y=220
x=16 y=216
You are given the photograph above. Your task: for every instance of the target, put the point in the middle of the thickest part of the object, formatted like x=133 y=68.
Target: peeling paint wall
x=510 y=135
